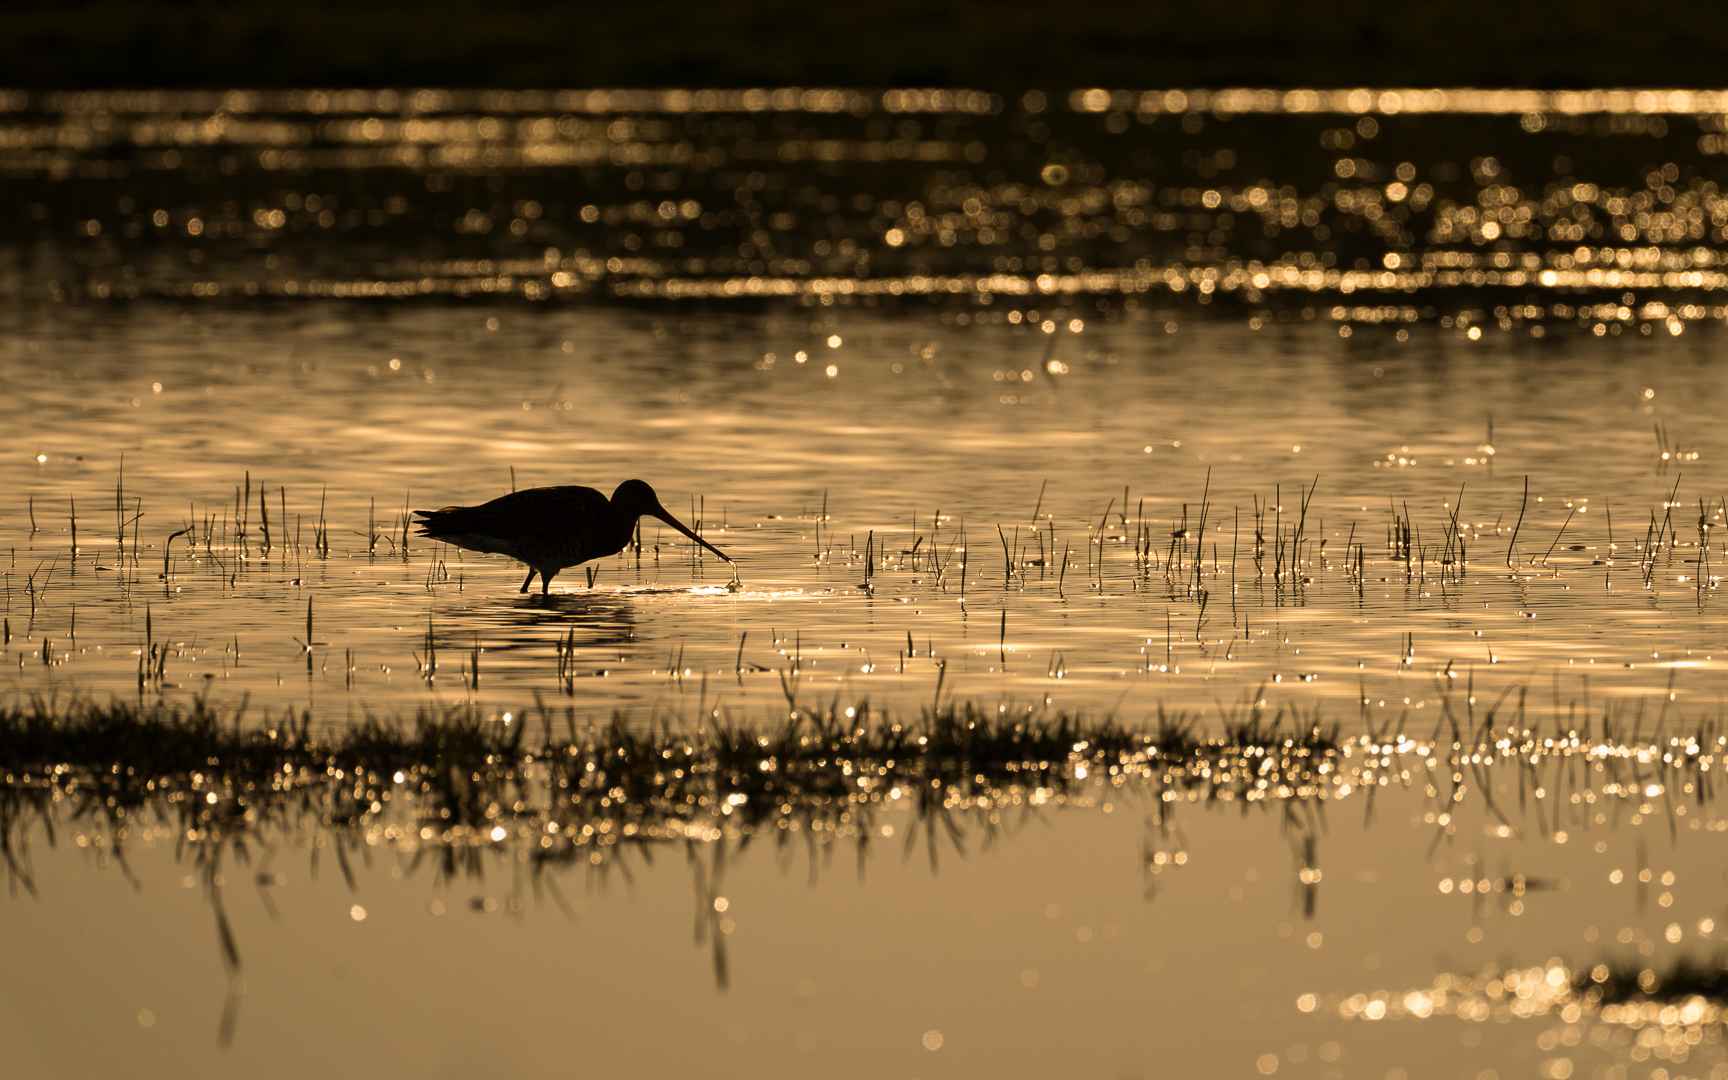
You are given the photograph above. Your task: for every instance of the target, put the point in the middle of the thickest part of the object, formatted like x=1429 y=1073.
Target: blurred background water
x=1528 y=208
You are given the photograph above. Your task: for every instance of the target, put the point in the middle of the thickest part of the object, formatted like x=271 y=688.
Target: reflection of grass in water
x=460 y=780
x=470 y=779
x=452 y=787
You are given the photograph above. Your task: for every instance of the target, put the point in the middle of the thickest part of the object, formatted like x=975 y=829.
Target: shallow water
x=1177 y=408
x=916 y=467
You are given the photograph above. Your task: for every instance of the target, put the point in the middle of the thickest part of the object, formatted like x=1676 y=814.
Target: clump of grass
x=1686 y=977
x=1675 y=998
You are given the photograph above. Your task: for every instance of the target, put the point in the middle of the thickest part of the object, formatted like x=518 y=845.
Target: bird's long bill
x=664 y=515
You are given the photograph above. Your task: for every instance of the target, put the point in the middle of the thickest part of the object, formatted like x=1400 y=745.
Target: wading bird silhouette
x=551 y=528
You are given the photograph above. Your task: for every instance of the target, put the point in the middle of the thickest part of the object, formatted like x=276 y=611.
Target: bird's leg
x=546 y=583
x=529 y=580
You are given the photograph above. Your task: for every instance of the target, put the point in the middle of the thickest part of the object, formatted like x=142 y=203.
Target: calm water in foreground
x=1359 y=452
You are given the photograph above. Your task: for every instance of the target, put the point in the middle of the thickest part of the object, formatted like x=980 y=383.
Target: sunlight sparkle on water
x=748 y=196
x=1248 y=511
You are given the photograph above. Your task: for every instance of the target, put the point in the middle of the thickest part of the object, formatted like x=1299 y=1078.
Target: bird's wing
x=563 y=525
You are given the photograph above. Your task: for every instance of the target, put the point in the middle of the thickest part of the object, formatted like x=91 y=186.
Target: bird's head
x=634 y=499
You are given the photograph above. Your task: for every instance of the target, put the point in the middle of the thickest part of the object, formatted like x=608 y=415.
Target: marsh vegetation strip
x=460 y=780
x=215 y=502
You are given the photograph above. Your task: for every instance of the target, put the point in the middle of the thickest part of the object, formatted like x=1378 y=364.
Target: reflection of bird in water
x=603 y=621
x=550 y=528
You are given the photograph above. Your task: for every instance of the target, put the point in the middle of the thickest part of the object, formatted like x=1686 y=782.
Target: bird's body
x=551 y=528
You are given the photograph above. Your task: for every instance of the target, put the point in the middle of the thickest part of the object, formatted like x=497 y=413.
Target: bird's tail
x=430 y=524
